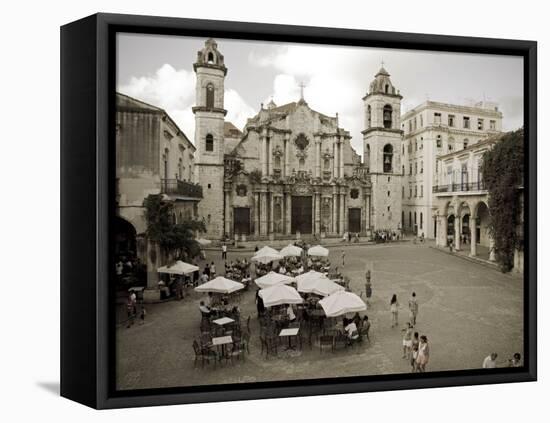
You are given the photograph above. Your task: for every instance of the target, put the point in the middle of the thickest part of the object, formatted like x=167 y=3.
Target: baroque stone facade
x=291 y=171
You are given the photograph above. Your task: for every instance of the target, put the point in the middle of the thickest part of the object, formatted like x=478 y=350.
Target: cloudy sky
x=159 y=70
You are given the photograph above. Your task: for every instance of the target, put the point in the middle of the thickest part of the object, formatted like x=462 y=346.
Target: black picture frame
x=87 y=190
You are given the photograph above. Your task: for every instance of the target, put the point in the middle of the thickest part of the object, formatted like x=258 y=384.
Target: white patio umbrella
x=318 y=251
x=220 y=285
x=272 y=279
x=291 y=251
x=266 y=255
x=178 y=268
x=280 y=294
x=204 y=242
x=320 y=286
x=342 y=302
x=311 y=275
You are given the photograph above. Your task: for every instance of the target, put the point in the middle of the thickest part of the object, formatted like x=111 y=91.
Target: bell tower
x=382 y=139
x=209 y=135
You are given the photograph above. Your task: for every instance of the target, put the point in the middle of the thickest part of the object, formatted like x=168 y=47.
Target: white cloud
x=174 y=91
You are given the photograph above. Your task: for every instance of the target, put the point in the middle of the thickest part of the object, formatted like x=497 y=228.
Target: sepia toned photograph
x=289 y=211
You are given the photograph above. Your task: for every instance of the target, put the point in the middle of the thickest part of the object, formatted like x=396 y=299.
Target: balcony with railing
x=462 y=188
x=177 y=187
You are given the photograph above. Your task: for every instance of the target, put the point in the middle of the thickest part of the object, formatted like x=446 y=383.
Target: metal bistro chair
x=203 y=354
x=340 y=340
x=326 y=341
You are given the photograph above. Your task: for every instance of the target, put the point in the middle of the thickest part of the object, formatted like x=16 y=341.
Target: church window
x=466 y=122
x=388 y=208
x=415 y=218
x=301 y=141
x=388 y=193
x=241 y=190
x=465 y=142
x=439 y=141
x=422 y=166
x=387 y=116
x=387 y=88
x=209 y=186
x=301 y=164
x=354 y=193
x=421 y=191
x=180 y=169
x=326 y=164
x=415 y=168
x=209 y=142
x=437 y=118
x=403 y=169
x=416 y=190
x=410 y=219
x=210 y=58
x=410 y=168
x=421 y=121
x=388 y=158
x=480 y=124
x=210 y=96
x=421 y=219
x=492 y=125
x=277 y=162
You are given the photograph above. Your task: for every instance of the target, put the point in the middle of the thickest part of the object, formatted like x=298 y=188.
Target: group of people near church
x=386 y=235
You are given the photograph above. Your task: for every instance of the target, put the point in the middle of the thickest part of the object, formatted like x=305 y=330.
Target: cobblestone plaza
x=466 y=309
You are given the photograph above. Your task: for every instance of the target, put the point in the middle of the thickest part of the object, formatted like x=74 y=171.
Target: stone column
x=366 y=223
x=287 y=155
x=341 y=226
x=317 y=213
x=263 y=158
x=442 y=231
x=473 y=237
x=334 y=220
x=346 y=213
x=256 y=214
x=269 y=156
x=458 y=226
x=341 y=158
x=153 y=259
x=288 y=213
x=317 y=156
x=227 y=217
x=492 y=255
x=335 y=159
x=271 y=214
x=263 y=213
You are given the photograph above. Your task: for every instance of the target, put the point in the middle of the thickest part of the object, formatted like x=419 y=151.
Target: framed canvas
x=258 y=211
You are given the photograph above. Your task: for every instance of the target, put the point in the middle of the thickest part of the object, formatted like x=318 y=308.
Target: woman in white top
x=423 y=354
x=394 y=305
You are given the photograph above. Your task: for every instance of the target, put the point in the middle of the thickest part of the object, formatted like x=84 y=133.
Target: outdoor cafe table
x=289 y=333
x=222 y=341
x=223 y=321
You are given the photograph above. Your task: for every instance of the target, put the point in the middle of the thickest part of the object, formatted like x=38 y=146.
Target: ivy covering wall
x=503 y=169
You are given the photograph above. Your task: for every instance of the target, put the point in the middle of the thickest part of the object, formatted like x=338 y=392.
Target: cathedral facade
x=292 y=170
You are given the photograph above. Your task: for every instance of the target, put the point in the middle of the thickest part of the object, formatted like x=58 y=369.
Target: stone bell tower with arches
x=209 y=135
x=382 y=138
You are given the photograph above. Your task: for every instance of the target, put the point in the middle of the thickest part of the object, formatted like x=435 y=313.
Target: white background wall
x=29 y=166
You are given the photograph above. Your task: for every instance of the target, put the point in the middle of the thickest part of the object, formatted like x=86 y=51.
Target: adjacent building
x=432 y=130
x=153 y=156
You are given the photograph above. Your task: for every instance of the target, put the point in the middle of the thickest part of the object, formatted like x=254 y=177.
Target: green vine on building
x=503 y=168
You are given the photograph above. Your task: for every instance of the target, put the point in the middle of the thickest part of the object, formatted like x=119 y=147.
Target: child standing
x=407 y=341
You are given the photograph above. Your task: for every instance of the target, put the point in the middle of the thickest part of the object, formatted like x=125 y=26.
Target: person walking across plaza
x=415 y=342
x=413 y=309
x=212 y=270
x=394 y=306
x=343 y=258
x=423 y=354
x=224 y=251
x=368 y=286
x=407 y=341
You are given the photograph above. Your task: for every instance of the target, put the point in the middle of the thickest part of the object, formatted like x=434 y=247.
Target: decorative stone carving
x=301 y=141
x=241 y=190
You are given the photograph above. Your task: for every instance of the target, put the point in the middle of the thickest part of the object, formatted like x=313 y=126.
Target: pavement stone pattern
x=466 y=310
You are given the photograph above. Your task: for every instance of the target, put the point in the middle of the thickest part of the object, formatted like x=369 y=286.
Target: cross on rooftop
x=302 y=86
